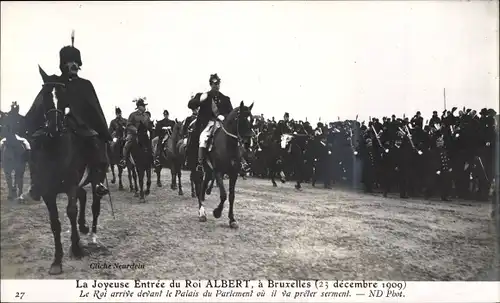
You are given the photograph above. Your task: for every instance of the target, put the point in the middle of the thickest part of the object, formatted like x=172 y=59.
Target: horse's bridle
x=55 y=109
x=237 y=136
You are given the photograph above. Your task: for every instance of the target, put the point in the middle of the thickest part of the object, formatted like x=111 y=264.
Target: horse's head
x=52 y=92
x=240 y=120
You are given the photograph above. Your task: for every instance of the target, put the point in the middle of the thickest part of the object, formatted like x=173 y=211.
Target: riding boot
x=126 y=154
x=201 y=159
x=100 y=189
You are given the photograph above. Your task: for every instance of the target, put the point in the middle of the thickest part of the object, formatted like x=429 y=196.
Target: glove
x=220 y=117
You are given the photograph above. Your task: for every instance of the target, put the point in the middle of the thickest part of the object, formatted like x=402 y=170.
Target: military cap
x=70 y=53
x=165 y=112
x=483 y=112
x=117 y=110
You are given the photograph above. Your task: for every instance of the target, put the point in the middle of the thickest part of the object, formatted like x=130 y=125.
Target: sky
x=312 y=59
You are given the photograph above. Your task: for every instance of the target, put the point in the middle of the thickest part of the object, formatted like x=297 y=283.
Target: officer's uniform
x=117 y=125
x=133 y=122
x=215 y=106
x=161 y=132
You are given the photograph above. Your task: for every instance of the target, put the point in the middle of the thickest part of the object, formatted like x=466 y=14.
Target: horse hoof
x=55 y=269
x=181 y=193
x=113 y=181
x=208 y=191
x=275 y=185
x=233 y=224
x=93 y=238
x=193 y=195
x=202 y=218
x=159 y=184
x=84 y=229
x=120 y=187
x=217 y=213
x=142 y=200
x=131 y=190
x=136 y=194
x=77 y=252
x=146 y=192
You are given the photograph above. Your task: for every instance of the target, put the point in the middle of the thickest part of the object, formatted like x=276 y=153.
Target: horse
x=142 y=156
x=14 y=155
x=115 y=152
x=175 y=150
x=164 y=161
x=61 y=166
x=224 y=158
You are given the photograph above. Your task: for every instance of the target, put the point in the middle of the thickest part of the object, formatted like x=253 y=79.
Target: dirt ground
x=283 y=234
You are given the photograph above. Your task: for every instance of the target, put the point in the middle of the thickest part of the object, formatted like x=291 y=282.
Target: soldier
x=86 y=117
x=118 y=124
x=440 y=172
x=213 y=106
x=161 y=130
x=135 y=118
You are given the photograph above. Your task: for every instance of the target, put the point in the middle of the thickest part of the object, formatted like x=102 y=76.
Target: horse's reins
x=237 y=136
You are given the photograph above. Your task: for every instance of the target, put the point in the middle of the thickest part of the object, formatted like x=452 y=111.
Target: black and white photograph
x=287 y=140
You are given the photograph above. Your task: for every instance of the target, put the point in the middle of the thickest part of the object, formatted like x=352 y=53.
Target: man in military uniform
x=118 y=124
x=440 y=170
x=161 y=131
x=134 y=120
x=213 y=106
x=85 y=117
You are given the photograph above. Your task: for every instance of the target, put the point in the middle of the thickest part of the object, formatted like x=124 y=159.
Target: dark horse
x=142 y=156
x=14 y=156
x=175 y=150
x=224 y=158
x=115 y=152
x=61 y=166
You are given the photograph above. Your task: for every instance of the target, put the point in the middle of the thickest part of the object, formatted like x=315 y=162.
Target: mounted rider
x=213 y=106
x=117 y=125
x=134 y=120
x=85 y=118
x=162 y=127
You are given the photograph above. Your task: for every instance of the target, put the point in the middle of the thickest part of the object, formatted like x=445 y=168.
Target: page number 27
x=20 y=295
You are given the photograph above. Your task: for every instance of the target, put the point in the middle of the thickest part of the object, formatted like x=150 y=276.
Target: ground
x=283 y=234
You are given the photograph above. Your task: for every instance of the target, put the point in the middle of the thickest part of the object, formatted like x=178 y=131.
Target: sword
x=107 y=185
x=482 y=167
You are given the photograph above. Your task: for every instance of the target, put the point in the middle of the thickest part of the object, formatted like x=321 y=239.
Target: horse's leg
x=120 y=174
x=113 y=180
x=232 y=183
x=55 y=226
x=20 y=178
x=173 y=183
x=10 y=185
x=140 y=175
x=223 y=195
x=148 y=181
x=210 y=186
x=158 y=176
x=96 y=211
x=81 y=194
x=130 y=173
x=208 y=177
x=136 y=187
x=72 y=212
x=194 y=189
x=202 y=215
x=179 y=175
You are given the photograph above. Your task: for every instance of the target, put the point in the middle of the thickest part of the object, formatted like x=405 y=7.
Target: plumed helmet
x=70 y=53
x=214 y=79
x=118 y=110
x=140 y=102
